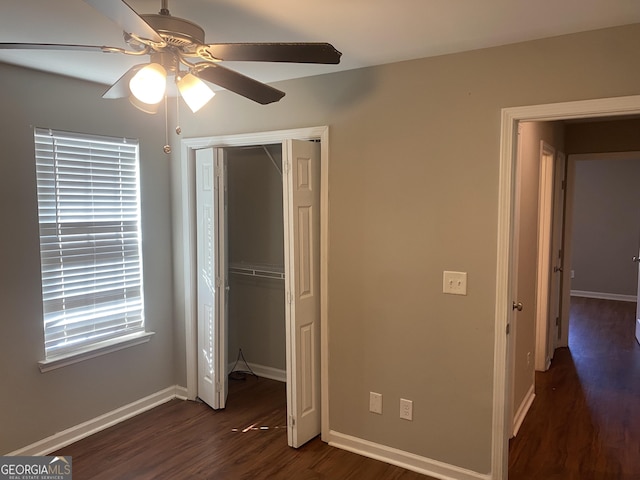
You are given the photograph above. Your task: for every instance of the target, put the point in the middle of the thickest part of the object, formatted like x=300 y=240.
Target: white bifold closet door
x=212 y=283
x=301 y=205
x=301 y=178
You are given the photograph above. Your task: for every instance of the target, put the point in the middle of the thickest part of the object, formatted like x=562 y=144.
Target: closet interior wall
x=256 y=240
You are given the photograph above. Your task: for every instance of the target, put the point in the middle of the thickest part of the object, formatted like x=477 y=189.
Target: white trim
x=269 y=372
x=95 y=350
x=502 y=364
x=188 y=145
x=102 y=422
x=523 y=409
x=604 y=296
x=403 y=459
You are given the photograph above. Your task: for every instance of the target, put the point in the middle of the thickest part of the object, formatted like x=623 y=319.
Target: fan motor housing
x=177 y=32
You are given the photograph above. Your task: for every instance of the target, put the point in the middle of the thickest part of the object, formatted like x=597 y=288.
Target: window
x=90 y=246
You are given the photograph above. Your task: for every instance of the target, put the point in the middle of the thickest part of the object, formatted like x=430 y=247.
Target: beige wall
x=34 y=405
x=413 y=191
x=620 y=135
x=531 y=134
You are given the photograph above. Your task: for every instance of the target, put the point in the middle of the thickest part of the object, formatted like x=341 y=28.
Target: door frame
x=510 y=118
x=187 y=238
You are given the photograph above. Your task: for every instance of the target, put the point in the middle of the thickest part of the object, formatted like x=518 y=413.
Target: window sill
x=97 y=350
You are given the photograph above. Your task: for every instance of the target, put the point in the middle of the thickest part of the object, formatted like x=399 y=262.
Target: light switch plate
x=454 y=283
x=375 y=402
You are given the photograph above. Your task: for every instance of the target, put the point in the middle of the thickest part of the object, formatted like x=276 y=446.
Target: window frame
x=62 y=157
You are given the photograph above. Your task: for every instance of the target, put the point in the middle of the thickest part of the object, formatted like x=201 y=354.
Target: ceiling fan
x=177 y=48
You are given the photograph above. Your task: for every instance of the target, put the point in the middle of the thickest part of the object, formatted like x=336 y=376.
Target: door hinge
x=285 y=167
x=557 y=321
x=564 y=184
x=289 y=298
x=218 y=387
x=218 y=283
x=508 y=328
x=292 y=421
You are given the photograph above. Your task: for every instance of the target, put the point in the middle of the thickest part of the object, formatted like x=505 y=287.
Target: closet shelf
x=262 y=271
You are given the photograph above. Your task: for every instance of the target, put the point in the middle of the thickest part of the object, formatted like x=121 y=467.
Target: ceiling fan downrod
x=164 y=9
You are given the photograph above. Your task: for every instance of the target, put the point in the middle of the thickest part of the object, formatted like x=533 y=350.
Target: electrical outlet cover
x=406 y=409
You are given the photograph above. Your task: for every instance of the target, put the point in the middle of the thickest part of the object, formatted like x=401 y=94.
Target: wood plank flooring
x=585 y=421
x=248 y=440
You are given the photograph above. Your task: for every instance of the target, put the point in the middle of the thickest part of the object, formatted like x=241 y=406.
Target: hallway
x=585 y=421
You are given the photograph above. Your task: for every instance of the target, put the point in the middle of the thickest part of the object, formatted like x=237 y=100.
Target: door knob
x=557 y=269
x=517 y=306
x=636 y=259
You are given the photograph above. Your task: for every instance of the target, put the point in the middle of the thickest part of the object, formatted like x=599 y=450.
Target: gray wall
x=256 y=236
x=606 y=226
x=413 y=191
x=35 y=405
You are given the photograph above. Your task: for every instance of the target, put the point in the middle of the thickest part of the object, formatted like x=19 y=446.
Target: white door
x=555 y=289
x=212 y=282
x=544 y=322
x=301 y=182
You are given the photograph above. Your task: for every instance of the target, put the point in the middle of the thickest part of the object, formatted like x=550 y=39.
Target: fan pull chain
x=167 y=147
x=178 y=127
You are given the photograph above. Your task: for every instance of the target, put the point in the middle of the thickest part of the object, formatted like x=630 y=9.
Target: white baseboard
x=604 y=296
x=78 y=432
x=264 y=371
x=523 y=409
x=403 y=459
x=269 y=372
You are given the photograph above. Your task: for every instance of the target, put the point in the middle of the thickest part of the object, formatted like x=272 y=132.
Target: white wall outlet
x=573 y=274
x=375 y=402
x=406 y=409
x=454 y=283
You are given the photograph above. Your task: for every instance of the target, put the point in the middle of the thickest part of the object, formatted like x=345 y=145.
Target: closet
x=255 y=239
x=257 y=269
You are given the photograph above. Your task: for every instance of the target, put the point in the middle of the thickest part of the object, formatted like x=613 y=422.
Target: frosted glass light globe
x=149 y=84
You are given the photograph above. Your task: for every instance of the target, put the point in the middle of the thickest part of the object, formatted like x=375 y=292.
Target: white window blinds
x=90 y=246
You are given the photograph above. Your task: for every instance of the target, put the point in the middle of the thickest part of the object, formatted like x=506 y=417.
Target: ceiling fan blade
x=121 y=13
x=276 y=52
x=238 y=83
x=120 y=89
x=58 y=46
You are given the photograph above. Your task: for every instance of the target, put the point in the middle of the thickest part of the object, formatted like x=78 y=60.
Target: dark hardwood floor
x=248 y=440
x=584 y=423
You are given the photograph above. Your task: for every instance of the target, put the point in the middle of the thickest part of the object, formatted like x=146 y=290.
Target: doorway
x=307 y=227
x=511 y=117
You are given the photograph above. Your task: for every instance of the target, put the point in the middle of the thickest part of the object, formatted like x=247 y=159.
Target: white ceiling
x=367 y=32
